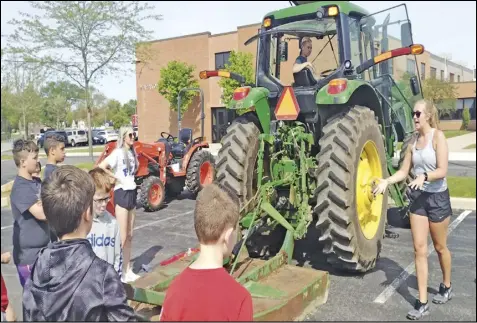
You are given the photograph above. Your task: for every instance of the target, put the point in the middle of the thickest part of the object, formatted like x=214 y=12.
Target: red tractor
x=170 y=164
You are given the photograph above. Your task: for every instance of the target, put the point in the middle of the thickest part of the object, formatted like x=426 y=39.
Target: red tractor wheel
x=201 y=171
x=152 y=194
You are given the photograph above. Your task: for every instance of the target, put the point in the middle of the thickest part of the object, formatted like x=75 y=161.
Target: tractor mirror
x=406 y=34
x=283 y=51
x=414 y=85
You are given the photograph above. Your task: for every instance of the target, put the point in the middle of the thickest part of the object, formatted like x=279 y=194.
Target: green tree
x=240 y=63
x=130 y=107
x=442 y=93
x=465 y=118
x=174 y=77
x=120 y=119
x=84 y=40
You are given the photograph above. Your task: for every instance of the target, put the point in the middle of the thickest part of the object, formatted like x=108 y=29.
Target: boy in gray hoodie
x=104 y=235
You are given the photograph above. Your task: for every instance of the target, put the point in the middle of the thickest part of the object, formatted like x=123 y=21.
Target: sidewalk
x=457 y=144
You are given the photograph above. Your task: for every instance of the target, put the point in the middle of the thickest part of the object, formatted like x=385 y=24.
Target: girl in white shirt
x=124 y=163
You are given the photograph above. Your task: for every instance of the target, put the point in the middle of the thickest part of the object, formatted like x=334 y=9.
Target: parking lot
x=386 y=293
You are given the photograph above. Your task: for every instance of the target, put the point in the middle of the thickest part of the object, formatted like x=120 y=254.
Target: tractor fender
x=255 y=102
x=186 y=159
x=357 y=92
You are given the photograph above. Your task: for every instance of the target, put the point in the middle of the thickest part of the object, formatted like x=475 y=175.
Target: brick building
x=207 y=52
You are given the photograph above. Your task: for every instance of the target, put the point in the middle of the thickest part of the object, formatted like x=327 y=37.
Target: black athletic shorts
x=125 y=198
x=436 y=206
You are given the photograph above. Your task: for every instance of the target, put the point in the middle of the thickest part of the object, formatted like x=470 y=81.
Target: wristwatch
x=425 y=176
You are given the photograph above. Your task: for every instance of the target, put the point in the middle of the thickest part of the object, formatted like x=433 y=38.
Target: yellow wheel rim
x=368 y=206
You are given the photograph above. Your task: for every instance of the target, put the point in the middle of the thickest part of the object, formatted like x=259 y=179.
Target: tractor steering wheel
x=323 y=74
x=167 y=136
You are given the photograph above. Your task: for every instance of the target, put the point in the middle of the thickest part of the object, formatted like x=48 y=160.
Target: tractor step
x=280 y=292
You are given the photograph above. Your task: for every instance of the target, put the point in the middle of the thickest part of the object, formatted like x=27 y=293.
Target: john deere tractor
x=306 y=151
x=313 y=150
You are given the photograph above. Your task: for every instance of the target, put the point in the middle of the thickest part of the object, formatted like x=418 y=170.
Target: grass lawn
x=470 y=146
x=461 y=186
x=7 y=157
x=96 y=149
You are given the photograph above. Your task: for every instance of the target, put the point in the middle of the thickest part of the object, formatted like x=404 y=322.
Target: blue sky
x=441 y=26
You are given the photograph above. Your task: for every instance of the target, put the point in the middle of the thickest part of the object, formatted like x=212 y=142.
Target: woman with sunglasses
x=430 y=207
x=123 y=161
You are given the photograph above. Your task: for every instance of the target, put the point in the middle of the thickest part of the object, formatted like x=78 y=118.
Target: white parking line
x=162 y=220
x=389 y=291
x=7 y=227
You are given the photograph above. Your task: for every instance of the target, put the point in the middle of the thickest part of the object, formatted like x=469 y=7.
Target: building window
x=442 y=75
x=451 y=77
x=433 y=72
x=221 y=59
x=411 y=67
x=458 y=78
x=423 y=71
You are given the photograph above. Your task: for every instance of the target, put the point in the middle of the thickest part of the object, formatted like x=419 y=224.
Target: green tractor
x=306 y=156
x=311 y=152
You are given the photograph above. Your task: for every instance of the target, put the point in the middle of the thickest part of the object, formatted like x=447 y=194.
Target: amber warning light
x=206 y=74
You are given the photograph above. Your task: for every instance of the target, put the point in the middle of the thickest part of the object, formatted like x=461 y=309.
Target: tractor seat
x=179 y=149
x=304 y=78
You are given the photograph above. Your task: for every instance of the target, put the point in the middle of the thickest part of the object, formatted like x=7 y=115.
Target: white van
x=77 y=137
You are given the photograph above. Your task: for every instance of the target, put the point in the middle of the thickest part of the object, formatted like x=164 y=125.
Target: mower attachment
x=280 y=292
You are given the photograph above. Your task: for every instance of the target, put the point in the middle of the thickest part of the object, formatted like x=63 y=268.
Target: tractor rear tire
x=236 y=159
x=200 y=171
x=345 y=139
x=152 y=194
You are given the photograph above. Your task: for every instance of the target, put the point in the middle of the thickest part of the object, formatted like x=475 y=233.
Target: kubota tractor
x=169 y=165
x=307 y=149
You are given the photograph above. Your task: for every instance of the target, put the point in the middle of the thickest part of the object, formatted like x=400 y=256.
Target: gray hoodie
x=105 y=239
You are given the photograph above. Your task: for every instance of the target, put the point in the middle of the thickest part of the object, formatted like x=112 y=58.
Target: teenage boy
x=55 y=152
x=30 y=229
x=68 y=281
x=104 y=235
x=205 y=291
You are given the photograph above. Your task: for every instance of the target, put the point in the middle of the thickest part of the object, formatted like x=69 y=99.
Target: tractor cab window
x=324 y=53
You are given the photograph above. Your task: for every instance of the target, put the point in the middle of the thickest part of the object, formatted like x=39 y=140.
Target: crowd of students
x=69 y=251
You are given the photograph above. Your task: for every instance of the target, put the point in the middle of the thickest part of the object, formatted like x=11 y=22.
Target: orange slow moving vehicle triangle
x=287 y=107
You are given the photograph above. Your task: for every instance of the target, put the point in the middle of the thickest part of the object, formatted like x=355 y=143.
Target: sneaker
x=420 y=310
x=444 y=295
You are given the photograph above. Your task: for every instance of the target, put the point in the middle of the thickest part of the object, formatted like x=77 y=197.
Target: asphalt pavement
x=159 y=235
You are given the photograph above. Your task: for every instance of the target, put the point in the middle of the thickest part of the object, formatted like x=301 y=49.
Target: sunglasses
x=416 y=113
x=131 y=136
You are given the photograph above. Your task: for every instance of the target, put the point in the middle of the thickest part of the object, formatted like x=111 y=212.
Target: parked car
x=109 y=135
x=77 y=137
x=98 y=139
x=50 y=133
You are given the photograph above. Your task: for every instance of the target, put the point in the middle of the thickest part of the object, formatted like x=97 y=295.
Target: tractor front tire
x=236 y=159
x=152 y=194
x=351 y=220
x=200 y=171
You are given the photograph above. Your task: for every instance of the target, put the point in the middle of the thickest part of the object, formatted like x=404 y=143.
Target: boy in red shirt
x=205 y=291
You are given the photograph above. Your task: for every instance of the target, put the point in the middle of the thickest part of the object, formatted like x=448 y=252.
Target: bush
x=465 y=118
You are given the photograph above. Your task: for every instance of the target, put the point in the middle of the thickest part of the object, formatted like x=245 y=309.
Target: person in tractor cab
x=430 y=207
x=306 y=46
x=123 y=161
x=205 y=291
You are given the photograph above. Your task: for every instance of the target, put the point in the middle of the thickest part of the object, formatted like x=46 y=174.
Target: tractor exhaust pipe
x=202 y=112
